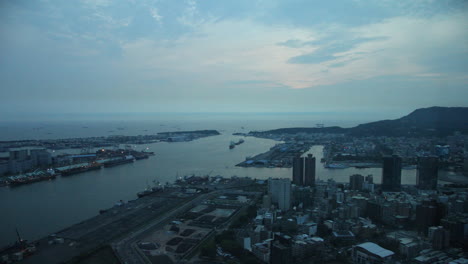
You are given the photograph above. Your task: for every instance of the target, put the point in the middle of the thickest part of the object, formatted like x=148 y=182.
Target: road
x=126 y=249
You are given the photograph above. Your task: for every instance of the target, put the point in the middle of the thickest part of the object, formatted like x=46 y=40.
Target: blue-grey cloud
x=313 y=58
x=329 y=49
x=342 y=63
x=216 y=56
x=294 y=43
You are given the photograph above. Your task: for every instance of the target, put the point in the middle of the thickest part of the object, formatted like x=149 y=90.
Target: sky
x=129 y=56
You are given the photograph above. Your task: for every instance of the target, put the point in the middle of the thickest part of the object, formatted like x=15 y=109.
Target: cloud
x=294 y=43
x=190 y=15
x=165 y=50
x=312 y=58
x=96 y=3
x=302 y=57
x=155 y=14
x=329 y=49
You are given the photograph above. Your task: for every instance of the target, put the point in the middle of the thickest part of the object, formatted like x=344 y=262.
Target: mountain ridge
x=430 y=121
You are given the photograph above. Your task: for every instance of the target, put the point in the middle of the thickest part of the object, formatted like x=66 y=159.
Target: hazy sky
x=231 y=56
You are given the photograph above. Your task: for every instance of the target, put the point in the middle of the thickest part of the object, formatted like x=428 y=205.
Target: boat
x=79 y=169
x=119 y=161
x=144 y=193
x=149 y=190
x=140 y=157
x=239 y=142
x=32 y=177
x=361 y=167
x=24 y=180
x=336 y=166
x=18 y=251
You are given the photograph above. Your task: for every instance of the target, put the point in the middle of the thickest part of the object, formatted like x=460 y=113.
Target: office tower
x=340 y=197
x=19 y=154
x=280 y=192
x=302 y=195
x=429 y=213
x=374 y=211
x=304 y=171
x=309 y=172
x=368 y=184
x=391 y=174
x=266 y=202
x=280 y=254
x=439 y=237
x=465 y=164
x=427 y=171
x=41 y=157
x=298 y=171
x=356 y=182
x=457 y=225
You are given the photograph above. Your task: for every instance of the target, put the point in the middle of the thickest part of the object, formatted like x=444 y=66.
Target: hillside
x=438 y=121
x=432 y=121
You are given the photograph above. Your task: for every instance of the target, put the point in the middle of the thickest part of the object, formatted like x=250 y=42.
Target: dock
x=279 y=156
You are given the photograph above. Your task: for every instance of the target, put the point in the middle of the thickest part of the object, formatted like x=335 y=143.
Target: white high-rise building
x=280 y=192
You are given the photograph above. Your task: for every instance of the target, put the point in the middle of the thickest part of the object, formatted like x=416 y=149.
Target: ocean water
x=105 y=125
x=46 y=207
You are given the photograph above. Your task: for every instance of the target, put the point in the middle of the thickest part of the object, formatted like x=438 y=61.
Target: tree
x=232 y=247
x=208 y=250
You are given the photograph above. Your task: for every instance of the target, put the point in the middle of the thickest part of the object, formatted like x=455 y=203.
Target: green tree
x=209 y=250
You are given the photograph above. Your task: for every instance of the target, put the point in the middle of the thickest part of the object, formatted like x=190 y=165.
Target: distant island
x=432 y=121
x=105 y=141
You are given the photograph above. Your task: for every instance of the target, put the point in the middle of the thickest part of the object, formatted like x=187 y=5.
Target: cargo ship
x=18 y=251
x=141 y=156
x=32 y=177
x=149 y=190
x=118 y=161
x=232 y=145
x=75 y=169
x=239 y=142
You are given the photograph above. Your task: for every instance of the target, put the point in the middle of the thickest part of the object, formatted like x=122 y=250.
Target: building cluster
x=348 y=150
x=304 y=170
x=22 y=160
x=360 y=221
x=450 y=151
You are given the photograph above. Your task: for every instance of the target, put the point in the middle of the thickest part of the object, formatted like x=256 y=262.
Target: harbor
x=26 y=161
x=65 y=201
x=278 y=156
x=123 y=224
x=78 y=164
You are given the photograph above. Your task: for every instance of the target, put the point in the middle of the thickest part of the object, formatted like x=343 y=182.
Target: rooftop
x=376 y=249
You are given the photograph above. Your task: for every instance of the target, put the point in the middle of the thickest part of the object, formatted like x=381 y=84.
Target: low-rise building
x=371 y=253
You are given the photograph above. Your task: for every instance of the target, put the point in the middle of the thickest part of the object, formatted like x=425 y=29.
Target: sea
x=43 y=208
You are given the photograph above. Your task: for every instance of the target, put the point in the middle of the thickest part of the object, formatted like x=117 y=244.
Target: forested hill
x=432 y=121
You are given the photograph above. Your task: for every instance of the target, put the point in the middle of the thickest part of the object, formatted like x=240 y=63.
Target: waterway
x=46 y=207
